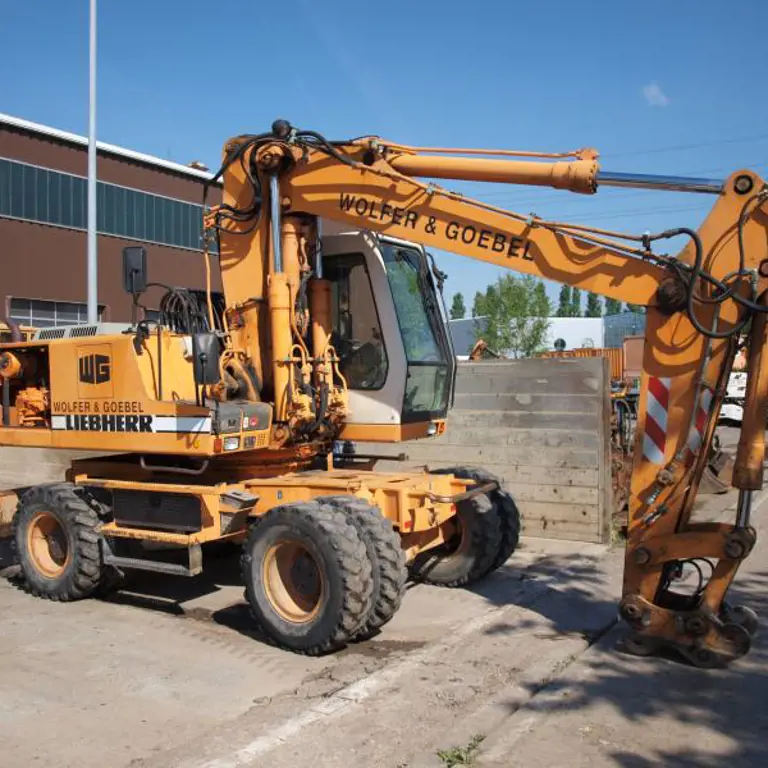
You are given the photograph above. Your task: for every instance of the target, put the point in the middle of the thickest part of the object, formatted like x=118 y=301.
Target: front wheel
x=307 y=577
x=509 y=515
x=471 y=551
x=488 y=534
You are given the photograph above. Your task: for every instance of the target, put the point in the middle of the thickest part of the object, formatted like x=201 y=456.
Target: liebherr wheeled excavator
x=222 y=421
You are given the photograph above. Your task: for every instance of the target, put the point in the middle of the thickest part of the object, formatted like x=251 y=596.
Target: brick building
x=43 y=218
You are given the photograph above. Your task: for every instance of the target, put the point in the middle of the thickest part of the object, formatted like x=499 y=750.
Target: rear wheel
x=307 y=577
x=382 y=543
x=56 y=539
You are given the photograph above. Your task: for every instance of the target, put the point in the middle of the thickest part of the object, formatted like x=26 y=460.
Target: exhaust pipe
x=15 y=330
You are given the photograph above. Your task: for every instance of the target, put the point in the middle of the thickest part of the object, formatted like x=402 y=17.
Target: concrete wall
x=539 y=424
x=542 y=425
x=20 y=467
x=23 y=467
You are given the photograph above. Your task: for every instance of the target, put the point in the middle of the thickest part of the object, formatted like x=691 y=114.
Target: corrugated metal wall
x=615 y=357
x=625 y=324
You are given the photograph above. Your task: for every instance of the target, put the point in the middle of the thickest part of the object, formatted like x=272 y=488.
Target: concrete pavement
x=422 y=701
x=169 y=672
x=611 y=709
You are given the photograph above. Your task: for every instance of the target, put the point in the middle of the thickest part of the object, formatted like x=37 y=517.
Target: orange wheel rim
x=293 y=582
x=47 y=545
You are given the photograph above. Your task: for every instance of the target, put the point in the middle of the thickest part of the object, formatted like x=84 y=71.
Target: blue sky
x=655 y=86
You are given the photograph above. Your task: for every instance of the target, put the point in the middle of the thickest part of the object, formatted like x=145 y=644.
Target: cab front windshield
x=429 y=368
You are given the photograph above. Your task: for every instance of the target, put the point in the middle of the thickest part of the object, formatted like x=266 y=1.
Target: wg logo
x=95 y=375
x=94 y=369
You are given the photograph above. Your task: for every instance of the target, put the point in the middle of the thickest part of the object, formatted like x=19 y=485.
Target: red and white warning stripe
x=696 y=435
x=656 y=412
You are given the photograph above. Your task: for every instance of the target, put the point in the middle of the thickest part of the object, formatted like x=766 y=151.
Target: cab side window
x=356 y=335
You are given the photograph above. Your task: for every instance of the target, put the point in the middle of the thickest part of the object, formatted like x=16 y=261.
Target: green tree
x=564 y=302
x=458 y=310
x=541 y=301
x=478 y=305
x=517 y=311
x=612 y=307
x=594 y=306
x=635 y=308
x=575 y=303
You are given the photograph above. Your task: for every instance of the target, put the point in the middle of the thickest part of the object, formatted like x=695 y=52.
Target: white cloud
x=655 y=96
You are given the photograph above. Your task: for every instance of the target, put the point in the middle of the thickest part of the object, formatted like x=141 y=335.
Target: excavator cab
x=390 y=334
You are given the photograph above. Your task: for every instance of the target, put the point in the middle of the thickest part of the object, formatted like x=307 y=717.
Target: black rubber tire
x=448 y=566
x=506 y=508
x=339 y=554
x=382 y=543
x=79 y=522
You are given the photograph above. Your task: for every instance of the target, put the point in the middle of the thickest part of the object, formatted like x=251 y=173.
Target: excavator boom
x=225 y=424
x=699 y=304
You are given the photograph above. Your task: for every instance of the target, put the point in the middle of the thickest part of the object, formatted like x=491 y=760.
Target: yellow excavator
x=221 y=424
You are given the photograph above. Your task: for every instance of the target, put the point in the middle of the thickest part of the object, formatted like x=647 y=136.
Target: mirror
x=205 y=353
x=134 y=269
